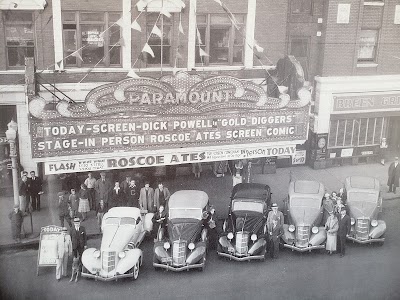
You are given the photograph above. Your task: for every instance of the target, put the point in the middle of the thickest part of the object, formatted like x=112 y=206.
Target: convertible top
x=357 y=183
x=306 y=189
x=251 y=191
x=188 y=199
x=124 y=212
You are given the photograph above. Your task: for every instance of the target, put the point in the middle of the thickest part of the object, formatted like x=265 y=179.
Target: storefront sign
x=366 y=102
x=159 y=159
x=299 y=158
x=181 y=111
x=47 y=252
x=348 y=152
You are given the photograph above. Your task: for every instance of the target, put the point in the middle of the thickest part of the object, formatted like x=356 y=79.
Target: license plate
x=96 y=270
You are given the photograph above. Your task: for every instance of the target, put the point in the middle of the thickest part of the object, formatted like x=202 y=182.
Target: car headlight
x=374 y=223
x=191 y=246
x=352 y=221
x=96 y=254
x=167 y=245
x=253 y=237
x=122 y=254
x=230 y=236
x=315 y=229
x=292 y=228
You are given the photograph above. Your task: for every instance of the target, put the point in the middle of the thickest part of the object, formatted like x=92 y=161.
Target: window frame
x=33 y=23
x=307 y=13
x=78 y=35
x=207 y=40
x=375 y=49
x=301 y=58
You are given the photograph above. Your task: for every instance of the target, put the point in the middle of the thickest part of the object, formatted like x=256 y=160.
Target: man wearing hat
x=64 y=250
x=394 y=175
x=64 y=207
x=16 y=218
x=103 y=188
x=278 y=215
x=78 y=237
x=343 y=231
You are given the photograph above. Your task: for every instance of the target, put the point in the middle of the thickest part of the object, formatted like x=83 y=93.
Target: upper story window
x=367 y=45
x=220 y=39
x=303 y=7
x=84 y=31
x=19 y=35
x=299 y=48
x=160 y=46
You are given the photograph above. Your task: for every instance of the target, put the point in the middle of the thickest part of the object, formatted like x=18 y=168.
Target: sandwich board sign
x=47 y=252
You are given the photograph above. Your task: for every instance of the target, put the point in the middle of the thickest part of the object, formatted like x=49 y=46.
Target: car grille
x=302 y=236
x=108 y=260
x=362 y=229
x=242 y=239
x=179 y=253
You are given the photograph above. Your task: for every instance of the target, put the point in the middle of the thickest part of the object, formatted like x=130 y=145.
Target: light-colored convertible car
x=124 y=228
x=364 y=203
x=304 y=210
x=182 y=245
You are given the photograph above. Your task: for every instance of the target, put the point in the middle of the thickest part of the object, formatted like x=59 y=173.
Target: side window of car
x=138 y=220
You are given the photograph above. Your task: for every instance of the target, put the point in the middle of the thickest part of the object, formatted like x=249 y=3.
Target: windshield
x=247 y=205
x=362 y=197
x=190 y=213
x=120 y=221
x=305 y=202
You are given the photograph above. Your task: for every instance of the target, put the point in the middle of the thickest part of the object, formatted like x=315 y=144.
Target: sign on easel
x=47 y=253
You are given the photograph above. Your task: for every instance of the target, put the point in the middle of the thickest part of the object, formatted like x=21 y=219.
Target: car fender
x=161 y=253
x=148 y=222
x=197 y=253
x=319 y=237
x=89 y=261
x=257 y=246
x=130 y=259
x=379 y=230
x=224 y=242
x=288 y=237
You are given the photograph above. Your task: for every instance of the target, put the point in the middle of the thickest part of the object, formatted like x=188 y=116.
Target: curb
x=34 y=244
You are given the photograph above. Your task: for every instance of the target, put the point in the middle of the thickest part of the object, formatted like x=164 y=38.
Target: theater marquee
x=181 y=111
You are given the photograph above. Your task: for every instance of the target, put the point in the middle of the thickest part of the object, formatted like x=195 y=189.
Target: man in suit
x=161 y=196
x=274 y=233
x=35 y=189
x=394 y=175
x=146 y=198
x=278 y=215
x=118 y=196
x=78 y=238
x=64 y=250
x=132 y=194
x=103 y=188
x=343 y=231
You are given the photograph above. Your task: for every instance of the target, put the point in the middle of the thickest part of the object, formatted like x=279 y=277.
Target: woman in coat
x=331 y=226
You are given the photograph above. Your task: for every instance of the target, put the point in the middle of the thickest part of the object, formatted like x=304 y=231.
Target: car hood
x=248 y=221
x=303 y=215
x=184 y=229
x=360 y=209
x=116 y=237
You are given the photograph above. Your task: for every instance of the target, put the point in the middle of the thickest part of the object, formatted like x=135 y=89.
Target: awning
x=22 y=4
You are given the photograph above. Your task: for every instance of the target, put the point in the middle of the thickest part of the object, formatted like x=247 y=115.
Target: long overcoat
x=394 y=174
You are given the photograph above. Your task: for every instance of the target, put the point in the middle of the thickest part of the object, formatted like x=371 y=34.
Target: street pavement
x=218 y=189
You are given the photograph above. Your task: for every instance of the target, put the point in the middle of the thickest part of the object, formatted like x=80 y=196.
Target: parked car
x=364 y=203
x=182 y=244
x=303 y=210
x=244 y=232
x=124 y=228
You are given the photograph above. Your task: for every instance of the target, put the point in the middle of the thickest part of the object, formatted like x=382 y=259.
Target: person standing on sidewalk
x=23 y=194
x=78 y=237
x=275 y=213
x=125 y=184
x=90 y=182
x=103 y=188
x=16 y=218
x=393 y=175
x=275 y=233
x=146 y=197
x=161 y=196
x=101 y=210
x=74 y=202
x=331 y=227
x=83 y=201
x=35 y=190
x=64 y=208
x=343 y=231
x=64 y=250
x=132 y=194
x=117 y=196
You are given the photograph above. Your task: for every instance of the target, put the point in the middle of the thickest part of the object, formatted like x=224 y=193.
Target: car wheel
x=135 y=270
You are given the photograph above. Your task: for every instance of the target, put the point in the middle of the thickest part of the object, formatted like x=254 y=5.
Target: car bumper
x=98 y=277
x=241 y=258
x=370 y=241
x=178 y=269
x=310 y=248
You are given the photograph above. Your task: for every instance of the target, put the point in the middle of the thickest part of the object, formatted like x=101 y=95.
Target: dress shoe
x=341 y=255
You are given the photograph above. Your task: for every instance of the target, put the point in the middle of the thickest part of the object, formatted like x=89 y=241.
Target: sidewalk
x=218 y=190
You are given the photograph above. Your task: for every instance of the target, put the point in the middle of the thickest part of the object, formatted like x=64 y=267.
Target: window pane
x=332 y=133
x=70 y=46
x=17 y=17
x=16 y=55
x=219 y=45
x=202 y=36
x=200 y=59
x=19 y=33
x=69 y=16
x=220 y=19
x=348 y=134
x=113 y=17
x=363 y=131
x=299 y=47
x=370 y=131
x=340 y=133
x=378 y=131
x=115 y=55
x=366 y=49
x=238 y=40
x=115 y=34
x=156 y=60
x=201 y=19
x=300 y=6
x=356 y=131
x=93 y=44
x=237 y=54
x=96 y=17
